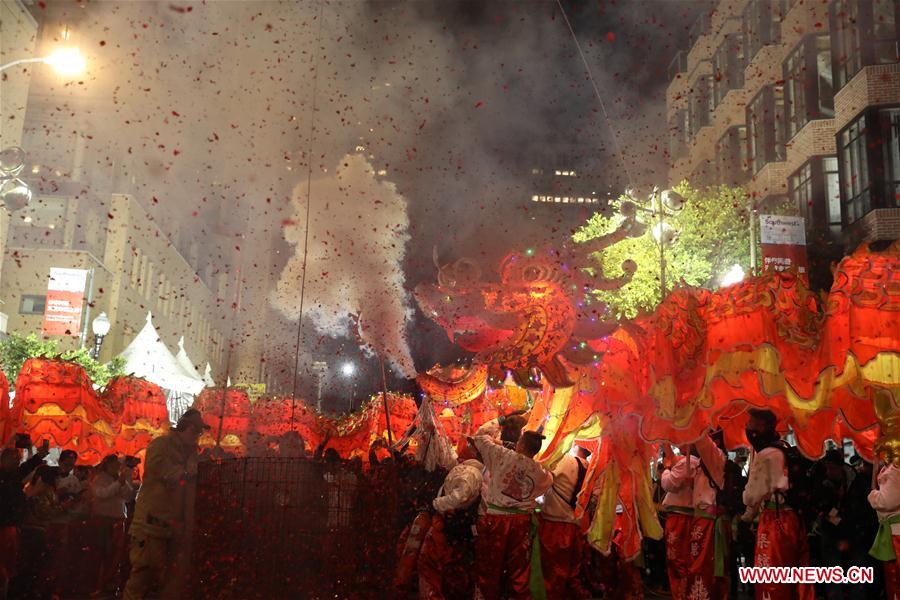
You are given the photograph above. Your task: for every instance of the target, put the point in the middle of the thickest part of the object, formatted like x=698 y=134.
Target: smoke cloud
x=211 y=113
x=358 y=230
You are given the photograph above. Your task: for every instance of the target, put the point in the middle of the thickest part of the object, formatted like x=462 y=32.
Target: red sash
x=781 y=542
x=702 y=581
x=678 y=541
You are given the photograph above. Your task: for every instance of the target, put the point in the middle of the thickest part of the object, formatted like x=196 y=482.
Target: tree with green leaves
x=17 y=348
x=713 y=234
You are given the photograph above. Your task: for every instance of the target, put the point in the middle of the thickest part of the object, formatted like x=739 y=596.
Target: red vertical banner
x=783 y=241
x=65 y=302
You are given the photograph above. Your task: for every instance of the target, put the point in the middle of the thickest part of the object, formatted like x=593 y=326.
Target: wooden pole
x=387 y=410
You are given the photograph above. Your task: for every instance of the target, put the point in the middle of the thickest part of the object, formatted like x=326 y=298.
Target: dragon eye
x=531 y=274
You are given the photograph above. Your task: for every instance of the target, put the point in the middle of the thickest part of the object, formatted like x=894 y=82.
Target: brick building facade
x=796 y=100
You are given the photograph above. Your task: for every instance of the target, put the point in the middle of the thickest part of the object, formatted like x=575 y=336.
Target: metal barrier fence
x=296 y=528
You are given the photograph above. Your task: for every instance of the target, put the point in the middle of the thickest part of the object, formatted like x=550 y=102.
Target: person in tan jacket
x=163 y=517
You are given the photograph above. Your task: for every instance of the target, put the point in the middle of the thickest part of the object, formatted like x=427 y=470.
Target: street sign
x=65 y=302
x=783 y=241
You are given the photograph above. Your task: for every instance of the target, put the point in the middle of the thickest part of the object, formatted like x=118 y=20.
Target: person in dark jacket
x=859 y=525
x=12 y=514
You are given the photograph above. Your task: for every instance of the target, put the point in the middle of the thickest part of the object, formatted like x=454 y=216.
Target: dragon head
x=534 y=311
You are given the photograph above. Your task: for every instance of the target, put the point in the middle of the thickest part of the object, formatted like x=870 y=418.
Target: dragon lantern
x=536 y=312
x=828 y=367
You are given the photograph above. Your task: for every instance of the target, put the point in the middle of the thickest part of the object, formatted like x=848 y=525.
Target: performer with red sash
x=562 y=540
x=886 y=501
x=443 y=572
x=677 y=481
x=506 y=524
x=781 y=536
x=710 y=527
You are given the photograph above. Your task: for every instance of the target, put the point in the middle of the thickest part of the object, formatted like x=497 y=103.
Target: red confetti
x=611 y=37
x=478 y=104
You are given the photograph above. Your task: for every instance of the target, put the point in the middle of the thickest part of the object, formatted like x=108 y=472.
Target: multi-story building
x=796 y=101
x=84 y=215
x=133 y=269
x=566 y=188
x=18 y=34
x=18 y=38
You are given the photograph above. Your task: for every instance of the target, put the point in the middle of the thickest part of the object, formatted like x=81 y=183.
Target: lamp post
x=320 y=368
x=348 y=370
x=68 y=62
x=14 y=193
x=100 y=326
x=663 y=204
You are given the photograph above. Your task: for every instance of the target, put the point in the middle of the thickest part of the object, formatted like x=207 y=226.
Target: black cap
x=191 y=416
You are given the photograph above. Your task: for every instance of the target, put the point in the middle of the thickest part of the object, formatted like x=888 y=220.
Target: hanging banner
x=783 y=241
x=65 y=302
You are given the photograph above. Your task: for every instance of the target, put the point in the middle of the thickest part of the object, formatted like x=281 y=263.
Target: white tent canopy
x=207 y=376
x=186 y=363
x=148 y=357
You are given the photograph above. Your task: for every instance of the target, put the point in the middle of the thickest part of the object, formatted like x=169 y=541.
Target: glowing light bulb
x=67 y=61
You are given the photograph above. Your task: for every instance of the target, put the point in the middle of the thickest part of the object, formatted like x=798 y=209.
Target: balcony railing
x=700 y=28
x=678 y=64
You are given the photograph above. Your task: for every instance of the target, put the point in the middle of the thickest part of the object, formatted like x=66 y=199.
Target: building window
x=728 y=66
x=855 y=179
x=761 y=25
x=764 y=128
x=863 y=32
x=700 y=104
x=808 y=85
x=815 y=191
x=832 y=190
x=732 y=155
x=800 y=190
x=886 y=29
x=889 y=132
x=870 y=162
x=32 y=305
x=679 y=130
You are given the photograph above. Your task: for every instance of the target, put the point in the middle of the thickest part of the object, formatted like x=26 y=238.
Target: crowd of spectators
x=63 y=524
x=310 y=515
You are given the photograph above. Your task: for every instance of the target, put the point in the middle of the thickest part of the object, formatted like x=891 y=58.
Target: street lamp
x=100 y=327
x=665 y=204
x=348 y=370
x=320 y=368
x=734 y=275
x=14 y=193
x=68 y=62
